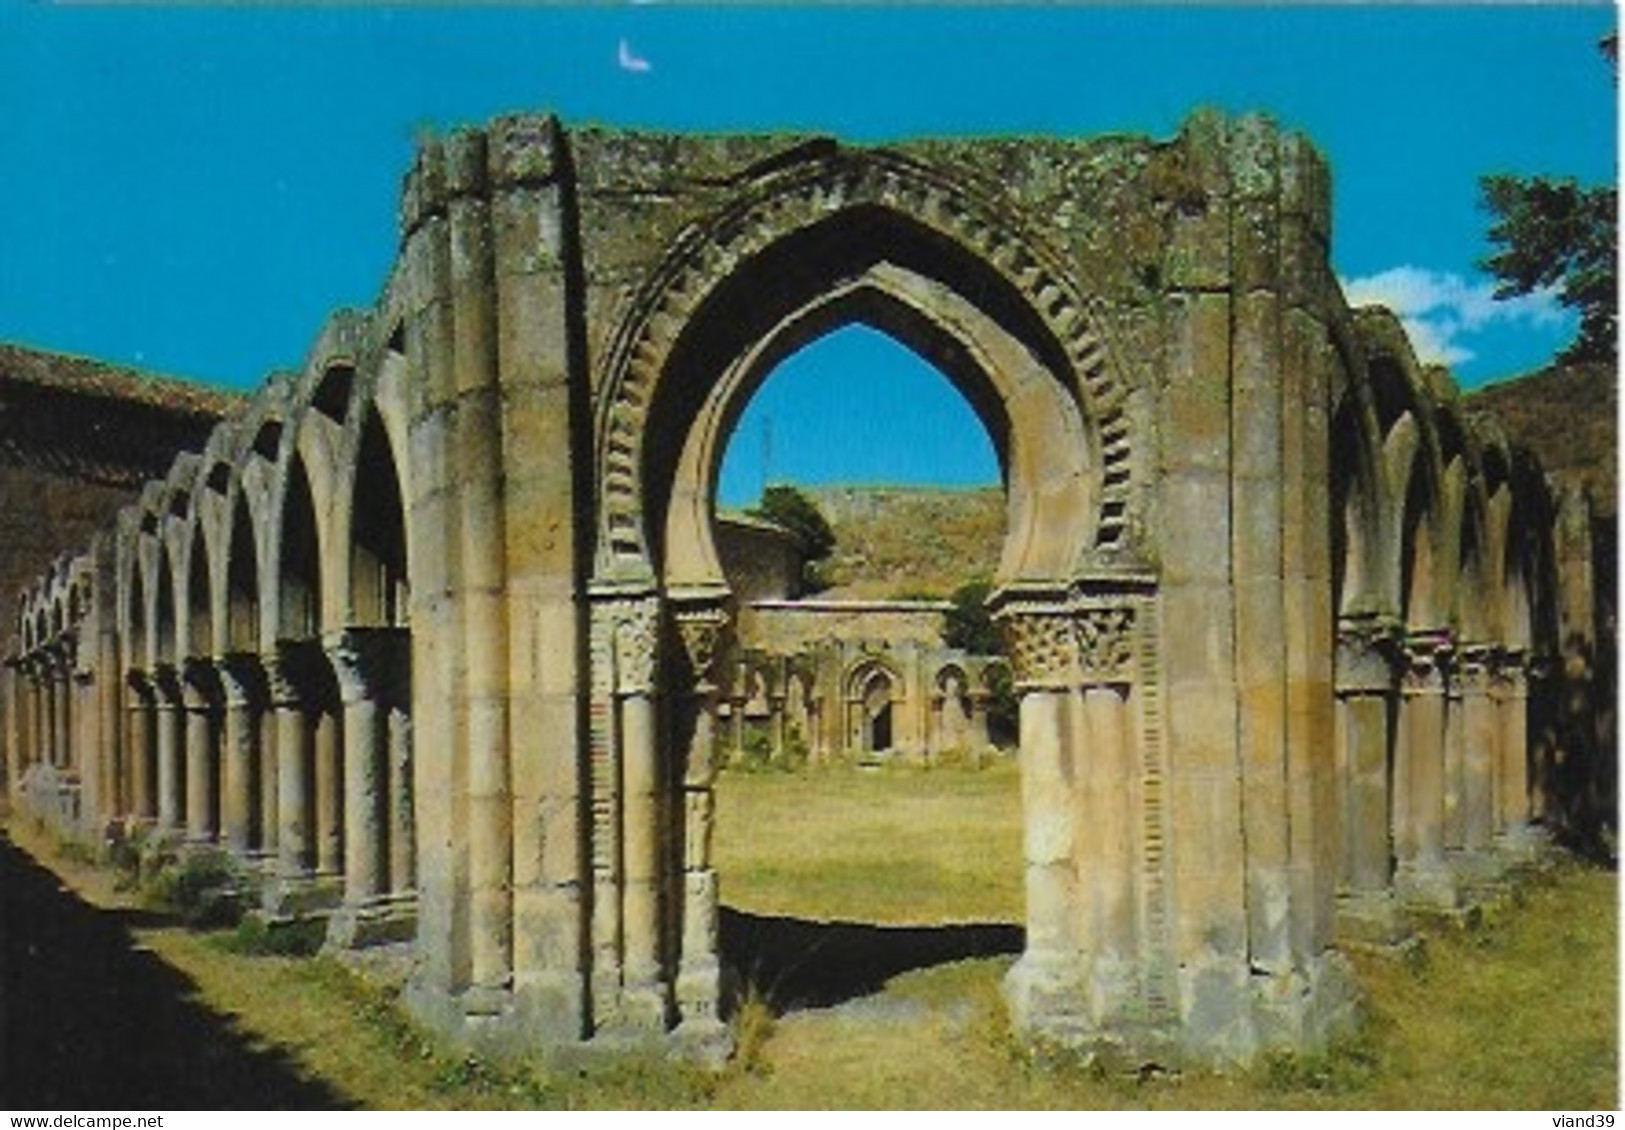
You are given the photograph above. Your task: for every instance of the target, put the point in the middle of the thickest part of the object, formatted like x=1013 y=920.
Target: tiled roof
x=84 y=377
x=81 y=419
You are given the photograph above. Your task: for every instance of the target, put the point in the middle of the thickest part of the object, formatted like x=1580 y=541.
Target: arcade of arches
x=435 y=631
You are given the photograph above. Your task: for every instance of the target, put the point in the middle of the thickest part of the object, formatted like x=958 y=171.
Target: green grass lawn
x=1518 y=1010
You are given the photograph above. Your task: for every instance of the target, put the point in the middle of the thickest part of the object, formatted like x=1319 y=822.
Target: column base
x=1370 y=918
x=286 y=897
x=1522 y=845
x=642 y=1007
x=1482 y=873
x=1430 y=889
x=701 y=1036
x=539 y=1020
x=379 y=920
x=1226 y=1011
x=1091 y=1009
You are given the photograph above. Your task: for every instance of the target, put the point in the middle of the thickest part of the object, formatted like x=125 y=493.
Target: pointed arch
x=379 y=574
x=297 y=583
x=242 y=580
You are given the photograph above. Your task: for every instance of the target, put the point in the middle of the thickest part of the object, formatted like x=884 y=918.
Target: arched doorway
x=1037 y=377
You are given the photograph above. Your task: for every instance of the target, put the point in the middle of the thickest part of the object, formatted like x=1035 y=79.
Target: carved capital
x=701 y=629
x=1370 y=650
x=626 y=644
x=1474 y=664
x=200 y=680
x=242 y=678
x=1510 y=672
x=166 y=684
x=367 y=661
x=1054 y=646
x=288 y=671
x=1429 y=657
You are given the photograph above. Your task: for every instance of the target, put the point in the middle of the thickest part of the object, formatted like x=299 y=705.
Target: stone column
x=295 y=803
x=327 y=736
x=1510 y=694
x=702 y=629
x=1473 y=678
x=1081 y=972
x=775 y=722
x=141 y=707
x=402 y=843
x=1455 y=762
x=266 y=777
x=9 y=677
x=200 y=690
x=1422 y=877
x=39 y=727
x=61 y=711
x=241 y=690
x=88 y=754
x=1367 y=690
x=476 y=440
x=361 y=659
x=980 y=739
x=169 y=714
x=364 y=780
x=637 y=643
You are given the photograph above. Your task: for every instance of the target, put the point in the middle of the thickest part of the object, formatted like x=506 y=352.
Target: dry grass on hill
x=911 y=541
x=1566 y=416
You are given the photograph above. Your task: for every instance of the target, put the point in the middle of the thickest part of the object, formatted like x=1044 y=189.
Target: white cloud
x=1439 y=309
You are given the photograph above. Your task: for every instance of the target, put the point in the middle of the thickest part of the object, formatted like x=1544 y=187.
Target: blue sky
x=192 y=190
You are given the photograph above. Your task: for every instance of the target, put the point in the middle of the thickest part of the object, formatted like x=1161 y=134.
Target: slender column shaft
x=1049 y=827
x=58 y=697
x=642 y=831
x=1424 y=756
x=39 y=732
x=1367 y=849
x=293 y=798
x=265 y=778
x=202 y=754
x=329 y=782
x=1455 y=768
x=402 y=850
x=239 y=756
x=1478 y=726
x=365 y=784
x=143 y=751
x=699 y=887
x=171 y=779
x=1107 y=869
x=9 y=677
x=1512 y=739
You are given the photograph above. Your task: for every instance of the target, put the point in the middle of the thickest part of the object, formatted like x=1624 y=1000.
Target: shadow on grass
x=796 y=963
x=89 y=1019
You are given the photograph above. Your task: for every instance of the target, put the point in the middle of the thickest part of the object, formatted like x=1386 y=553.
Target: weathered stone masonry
x=437 y=628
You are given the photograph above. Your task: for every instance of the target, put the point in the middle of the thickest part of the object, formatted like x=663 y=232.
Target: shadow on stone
x=90 y=1020
x=797 y=964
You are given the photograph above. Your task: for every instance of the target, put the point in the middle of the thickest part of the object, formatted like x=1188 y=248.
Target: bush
x=254 y=936
x=204 y=888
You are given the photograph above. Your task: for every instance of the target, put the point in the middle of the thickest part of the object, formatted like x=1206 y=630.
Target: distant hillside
x=916 y=541
x=1566 y=416
x=911 y=541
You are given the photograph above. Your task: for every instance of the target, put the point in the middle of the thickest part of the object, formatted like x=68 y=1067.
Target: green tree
x=967 y=624
x=969 y=627
x=788 y=507
x=1553 y=232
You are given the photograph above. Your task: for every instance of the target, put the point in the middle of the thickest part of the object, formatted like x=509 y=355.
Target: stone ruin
x=436 y=631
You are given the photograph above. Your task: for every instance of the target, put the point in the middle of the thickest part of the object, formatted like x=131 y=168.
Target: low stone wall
x=788 y=626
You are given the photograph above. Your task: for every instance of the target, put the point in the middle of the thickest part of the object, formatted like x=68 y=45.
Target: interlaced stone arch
x=1211 y=466
x=789 y=200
